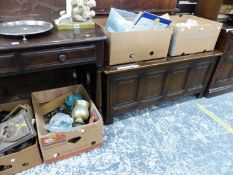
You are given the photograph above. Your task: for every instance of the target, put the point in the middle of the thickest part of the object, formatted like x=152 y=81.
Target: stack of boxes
x=53 y=146
x=24 y=159
x=134 y=46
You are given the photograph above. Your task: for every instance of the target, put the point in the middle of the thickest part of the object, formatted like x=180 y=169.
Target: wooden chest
x=149 y=83
x=222 y=76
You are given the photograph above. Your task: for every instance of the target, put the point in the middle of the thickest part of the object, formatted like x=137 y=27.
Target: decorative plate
x=24 y=28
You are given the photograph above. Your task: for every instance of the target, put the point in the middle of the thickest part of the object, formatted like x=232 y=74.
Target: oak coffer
x=147 y=83
x=222 y=76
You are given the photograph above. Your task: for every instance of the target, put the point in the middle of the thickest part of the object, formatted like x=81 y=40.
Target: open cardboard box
x=24 y=159
x=56 y=146
x=195 y=39
x=133 y=46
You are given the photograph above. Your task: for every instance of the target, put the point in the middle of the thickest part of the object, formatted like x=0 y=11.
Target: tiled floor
x=175 y=138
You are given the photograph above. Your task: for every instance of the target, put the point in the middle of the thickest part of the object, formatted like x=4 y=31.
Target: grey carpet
x=174 y=138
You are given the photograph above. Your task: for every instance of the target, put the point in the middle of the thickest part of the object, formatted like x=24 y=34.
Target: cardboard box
x=195 y=39
x=226 y=9
x=133 y=46
x=57 y=146
x=22 y=160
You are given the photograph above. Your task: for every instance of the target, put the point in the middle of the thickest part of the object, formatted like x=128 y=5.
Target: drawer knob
x=132 y=55
x=62 y=57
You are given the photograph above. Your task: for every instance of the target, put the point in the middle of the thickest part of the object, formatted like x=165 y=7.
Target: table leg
x=99 y=90
x=99 y=66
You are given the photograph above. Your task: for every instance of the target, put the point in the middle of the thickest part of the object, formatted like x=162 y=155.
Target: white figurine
x=82 y=10
x=77 y=11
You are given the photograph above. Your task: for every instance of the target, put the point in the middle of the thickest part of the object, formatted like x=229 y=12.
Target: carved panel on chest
x=125 y=89
x=226 y=72
x=230 y=51
x=178 y=79
x=153 y=84
x=199 y=75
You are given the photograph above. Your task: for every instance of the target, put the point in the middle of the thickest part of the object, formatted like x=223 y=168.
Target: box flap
x=201 y=21
x=11 y=105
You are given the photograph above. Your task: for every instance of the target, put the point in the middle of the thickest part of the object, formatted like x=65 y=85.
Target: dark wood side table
x=222 y=77
x=54 y=50
x=152 y=82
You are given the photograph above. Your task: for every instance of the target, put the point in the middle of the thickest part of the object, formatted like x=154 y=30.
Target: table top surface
x=52 y=38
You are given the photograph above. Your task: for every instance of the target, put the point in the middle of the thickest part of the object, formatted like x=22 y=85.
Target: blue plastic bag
x=60 y=122
x=120 y=20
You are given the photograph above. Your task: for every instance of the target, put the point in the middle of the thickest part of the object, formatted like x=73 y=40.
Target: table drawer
x=58 y=57
x=8 y=63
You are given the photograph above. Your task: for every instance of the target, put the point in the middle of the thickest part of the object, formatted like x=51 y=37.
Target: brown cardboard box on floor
x=133 y=46
x=24 y=159
x=57 y=146
x=195 y=39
